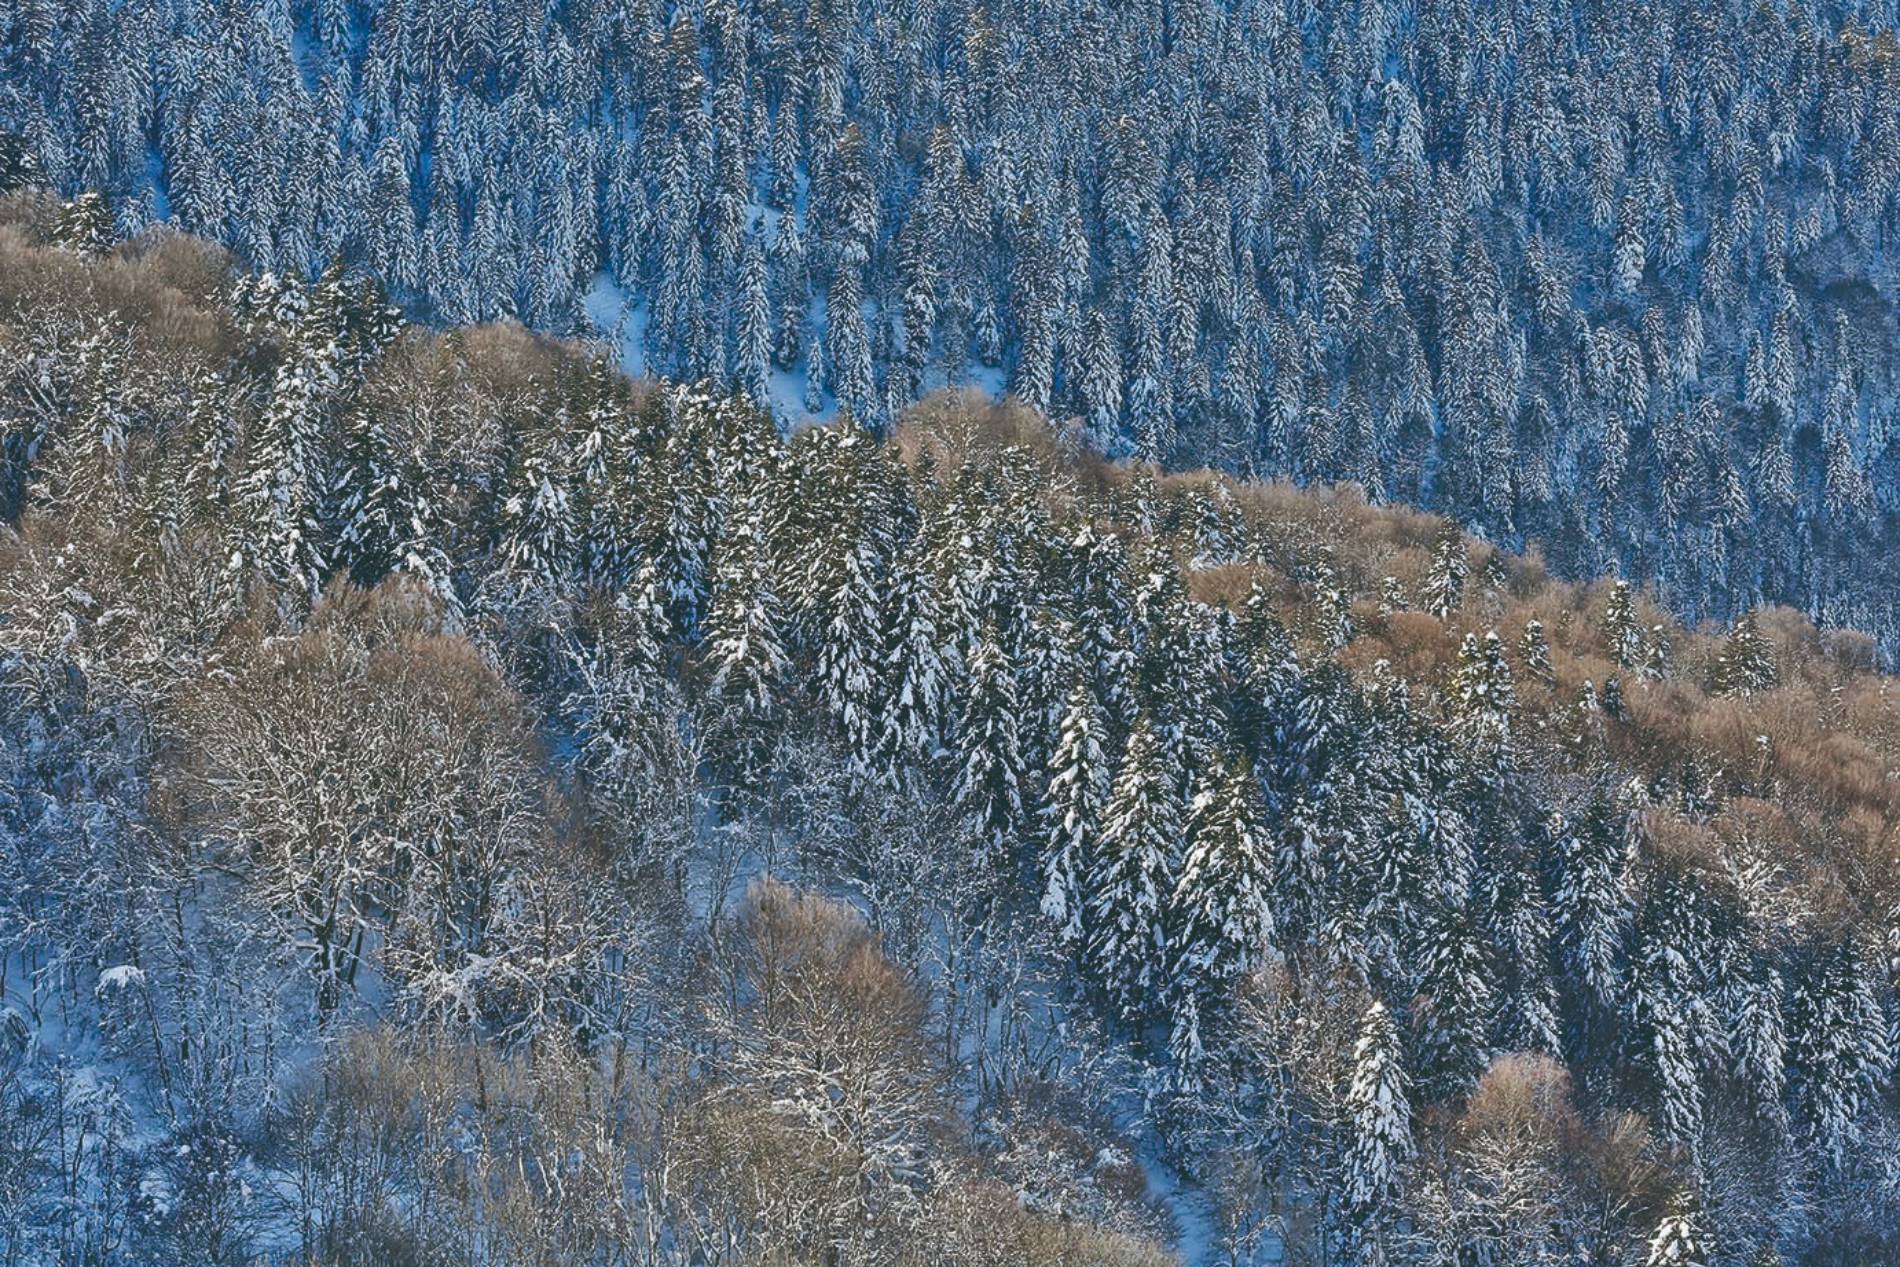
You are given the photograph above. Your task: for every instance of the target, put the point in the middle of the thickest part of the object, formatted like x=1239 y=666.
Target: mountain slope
x=1617 y=287
x=443 y=775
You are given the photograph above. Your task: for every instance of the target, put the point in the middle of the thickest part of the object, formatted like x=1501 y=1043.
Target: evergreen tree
x=1535 y=651
x=1456 y=997
x=537 y=523
x=1746 y=663
x=1620 y=631
x=1078 y=794
x=849 y=653
x=1222 y=920
x=283 y=483
x=1137 y=857
x=1444 y=589
x=1678 y=1240
x=84 y=224
x=744 y=645
x=1378 y=1122
x=915 y=679
x=990 y=782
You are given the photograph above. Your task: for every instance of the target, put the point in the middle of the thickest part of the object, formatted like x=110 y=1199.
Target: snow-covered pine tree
x=1679 y=1239
x=910 y=716
x=850 y=647
x=1594 y=905
x=744 y=643
x=84 y=224
x=1444 y=588
x=1079 y=779
x=283 y=483
x=989 y=786
x=537 y=521
x=1456 y=997
x=1137 y=858
x=1839 y=1051
x=1378 y=1124
x=1535 y=651
x=1746 y=663
x=1221 y=917
x=1620 y=631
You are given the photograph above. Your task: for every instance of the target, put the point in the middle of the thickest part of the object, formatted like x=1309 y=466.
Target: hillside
x=463 y=805
x=1615 y=283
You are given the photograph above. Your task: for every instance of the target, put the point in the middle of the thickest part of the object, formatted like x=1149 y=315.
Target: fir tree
x=84 y=224
x=1078 y=794
x=744 y=644
x=1221 y=917
x=1620 y=631
x=1378 y=1123
x=1746 y=663
x=1136 y=860
x=1678 y=1240
x=990 y=782
x=1444 y=588
x=1456 y=996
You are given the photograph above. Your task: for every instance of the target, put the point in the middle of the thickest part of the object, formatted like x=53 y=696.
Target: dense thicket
x=1615 y=281
x=399 y=731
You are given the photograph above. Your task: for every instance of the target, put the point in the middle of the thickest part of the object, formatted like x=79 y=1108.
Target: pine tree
x=1664 y=1003
x=752 y=355
x=1378 y=1121
x=371 y=505
x=1839 y=1051
x=1678 y=1239
x=914 y=679
x=744 y=641
x=283 y=484
x=84 y=225
x=1758 y=1045
x=1456 y=997
x=849 y=653
x=1483 y=698
x=1746 y=663
x=1593 y=901
x=1656 y=654
x=1136 y=860
x=990 y=781
x=537 y=523
x=1444 y=589
x=1535 y=651
x=1221 y=916
x=1620 y=631
x=1078 y=794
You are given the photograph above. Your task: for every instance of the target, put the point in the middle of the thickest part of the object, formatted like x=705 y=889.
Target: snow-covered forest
x=1611 y=279
x=461 y=805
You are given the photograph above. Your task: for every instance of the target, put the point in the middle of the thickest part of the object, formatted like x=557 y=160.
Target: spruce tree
x=1678 y=1240
x=1222 y=919
x=1535 y=650
x=1620 y=632
x=1378 y=1124
x=1746 y=663
x=84 y=225
x=915 y=681
x=1457 y=993
x=1134 y=873
x=744 y=644
x=850 y=649
x=990 y=778
x=1078 y=793
x=1444 y=589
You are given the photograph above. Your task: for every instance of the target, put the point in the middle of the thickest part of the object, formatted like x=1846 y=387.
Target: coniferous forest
x=757 y=634
x=461 y=805
x=1611 y=279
